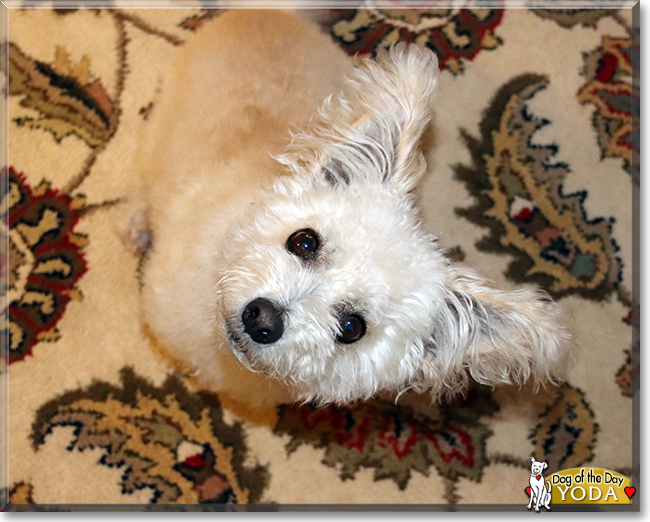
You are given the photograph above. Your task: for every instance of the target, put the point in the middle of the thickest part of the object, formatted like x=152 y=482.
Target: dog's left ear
x=372 y=130
x=499 y=337
x=544 y=465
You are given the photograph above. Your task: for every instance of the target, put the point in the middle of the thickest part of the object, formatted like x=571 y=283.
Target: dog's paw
x=136 y=234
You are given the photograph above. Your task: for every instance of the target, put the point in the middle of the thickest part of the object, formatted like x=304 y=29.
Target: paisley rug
x=531 y=175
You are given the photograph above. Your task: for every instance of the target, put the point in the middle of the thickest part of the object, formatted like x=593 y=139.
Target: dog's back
x=225 y=107
x=231 y=93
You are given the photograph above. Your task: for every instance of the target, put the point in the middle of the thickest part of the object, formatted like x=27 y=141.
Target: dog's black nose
x=262 y=321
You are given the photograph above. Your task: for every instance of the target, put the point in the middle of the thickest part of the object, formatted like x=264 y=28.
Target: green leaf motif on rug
x=566 y=434
x=569 y=18
x=68 y=99
x=166 y=439
x=520 y=197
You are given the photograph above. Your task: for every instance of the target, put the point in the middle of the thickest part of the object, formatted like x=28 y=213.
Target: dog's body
x=307 y=275
x=232 y=95
x=540 y=495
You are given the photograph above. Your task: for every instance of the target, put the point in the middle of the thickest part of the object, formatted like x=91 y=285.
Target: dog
x=538 y=492
x=287 y=258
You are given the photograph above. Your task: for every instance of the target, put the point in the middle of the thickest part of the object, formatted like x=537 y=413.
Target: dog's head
x=536 y=467
x=331 y=283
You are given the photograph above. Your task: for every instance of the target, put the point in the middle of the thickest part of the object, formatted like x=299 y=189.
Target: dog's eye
x=303 y=243
x=352 y=328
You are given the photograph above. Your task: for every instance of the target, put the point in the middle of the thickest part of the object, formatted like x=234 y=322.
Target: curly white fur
x=221 y=210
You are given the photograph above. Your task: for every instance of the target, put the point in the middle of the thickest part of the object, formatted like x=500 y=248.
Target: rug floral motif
x=608 y=70
x=624 y=375
x=65 y=94
x=455 y=35
x=569 y=18
x=45 y=261
x=567 y=431
x=519 y=197
x=165 y=439
x=395 y=440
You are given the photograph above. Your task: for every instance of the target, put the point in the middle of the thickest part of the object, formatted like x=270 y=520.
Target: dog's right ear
x=371 y=132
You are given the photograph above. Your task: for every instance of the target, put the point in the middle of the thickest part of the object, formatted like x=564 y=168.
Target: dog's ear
x=544 y=465
x=372 y=130
x=532 y=459
x=499 y=337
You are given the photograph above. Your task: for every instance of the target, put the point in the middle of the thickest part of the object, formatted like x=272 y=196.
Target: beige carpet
x=531 y=177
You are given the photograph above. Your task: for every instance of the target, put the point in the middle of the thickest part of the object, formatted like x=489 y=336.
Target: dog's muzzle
x=262 y=321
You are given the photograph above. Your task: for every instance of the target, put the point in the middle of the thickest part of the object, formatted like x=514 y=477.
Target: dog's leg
x=135 y=229
x=136 y=233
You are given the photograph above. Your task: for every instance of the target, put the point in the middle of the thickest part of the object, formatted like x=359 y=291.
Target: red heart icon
x=528 y=491
x=630 y=492
x=538 y=477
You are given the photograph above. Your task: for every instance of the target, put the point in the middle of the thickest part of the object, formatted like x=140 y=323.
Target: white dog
x=538 y=492
x=293 y=265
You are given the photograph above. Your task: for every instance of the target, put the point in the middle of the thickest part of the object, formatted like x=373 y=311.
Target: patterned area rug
x=530 y=182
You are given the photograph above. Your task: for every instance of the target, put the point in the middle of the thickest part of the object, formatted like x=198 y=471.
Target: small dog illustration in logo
x=538 y=493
